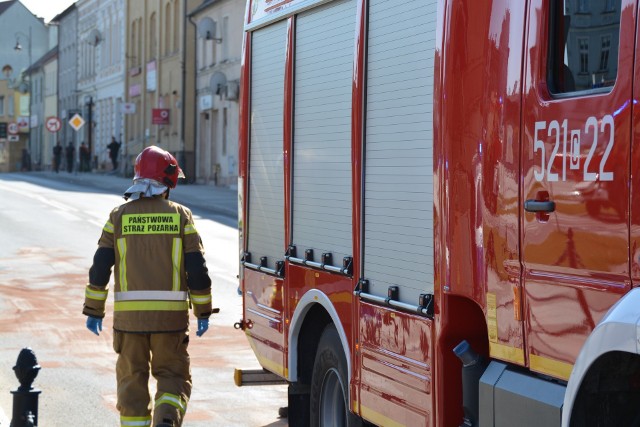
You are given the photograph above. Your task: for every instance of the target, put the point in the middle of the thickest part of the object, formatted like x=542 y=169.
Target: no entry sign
x=53 y=124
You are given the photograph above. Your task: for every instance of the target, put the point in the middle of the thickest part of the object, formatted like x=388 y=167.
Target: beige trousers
x=165 y=356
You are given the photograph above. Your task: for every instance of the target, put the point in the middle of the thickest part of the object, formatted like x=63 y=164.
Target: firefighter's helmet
x=157 y=164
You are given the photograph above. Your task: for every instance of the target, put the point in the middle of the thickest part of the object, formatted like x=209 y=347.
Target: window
x=140 y=39
x=176 y=25
x=167 y=29
x=153 y=39
x=571 y=34
x=583 y=44
x=583 y=6
x=610 y=6
x=604 y=53
x=225 y=38
x=11 y=107
x=134 y=45
x=1 y=105
x=199 y=52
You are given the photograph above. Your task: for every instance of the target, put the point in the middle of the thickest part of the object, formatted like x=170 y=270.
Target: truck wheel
x=329 y=384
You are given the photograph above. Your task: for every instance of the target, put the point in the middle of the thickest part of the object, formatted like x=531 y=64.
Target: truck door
x=575 y=172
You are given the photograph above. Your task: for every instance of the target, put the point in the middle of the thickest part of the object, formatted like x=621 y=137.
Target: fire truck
x=439 y=216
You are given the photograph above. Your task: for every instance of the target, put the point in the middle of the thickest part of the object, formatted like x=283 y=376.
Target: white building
x=67 y=22
x=44 y=92
x=218 y=58
x=101 y=74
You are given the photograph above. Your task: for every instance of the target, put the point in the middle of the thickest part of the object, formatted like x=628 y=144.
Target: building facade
x=44 y=83
x=160 y=97
x=88 y=41
x=219 y=26
x=25 y=41
x=110 y=78
x=67 y=22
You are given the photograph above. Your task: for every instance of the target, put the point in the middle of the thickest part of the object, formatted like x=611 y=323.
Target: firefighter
x=159 y=272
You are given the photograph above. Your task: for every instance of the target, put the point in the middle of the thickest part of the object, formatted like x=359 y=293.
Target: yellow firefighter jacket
x=150 y=237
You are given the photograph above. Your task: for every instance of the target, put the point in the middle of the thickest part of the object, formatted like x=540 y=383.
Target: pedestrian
x=160 y=271
x=26 y=160
x=57 y=156
x=70 y=153
x=114 y=147
x=85 y=158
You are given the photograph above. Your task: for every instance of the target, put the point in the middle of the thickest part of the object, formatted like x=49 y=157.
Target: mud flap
x=299 y=405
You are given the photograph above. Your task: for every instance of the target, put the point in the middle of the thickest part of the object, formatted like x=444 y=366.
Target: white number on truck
x=569 y=142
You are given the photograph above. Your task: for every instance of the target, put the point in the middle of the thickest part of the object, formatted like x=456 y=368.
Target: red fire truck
x=440 y=223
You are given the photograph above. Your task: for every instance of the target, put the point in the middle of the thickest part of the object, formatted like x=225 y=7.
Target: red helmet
x=157 y=164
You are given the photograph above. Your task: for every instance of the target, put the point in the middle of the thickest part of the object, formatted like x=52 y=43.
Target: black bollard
x=25 y=398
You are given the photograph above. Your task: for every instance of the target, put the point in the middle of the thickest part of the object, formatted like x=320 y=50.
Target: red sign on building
x=160 y=116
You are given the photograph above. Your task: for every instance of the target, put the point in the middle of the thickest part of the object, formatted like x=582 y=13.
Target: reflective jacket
x=159 y=268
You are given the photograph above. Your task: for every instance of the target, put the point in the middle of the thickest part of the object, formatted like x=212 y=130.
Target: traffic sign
x=129 y=108
x=160 y=116
x=76 y=122
x=53 y=124
x=13 y=128
x=23 y=122
x=14 y=138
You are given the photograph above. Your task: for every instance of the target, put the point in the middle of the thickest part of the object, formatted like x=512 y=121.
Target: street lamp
x=18 y=48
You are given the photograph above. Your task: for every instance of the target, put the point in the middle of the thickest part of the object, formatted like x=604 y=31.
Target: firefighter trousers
x=166 y=355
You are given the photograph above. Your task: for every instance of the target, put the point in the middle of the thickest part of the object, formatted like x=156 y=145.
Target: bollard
x=25 y=398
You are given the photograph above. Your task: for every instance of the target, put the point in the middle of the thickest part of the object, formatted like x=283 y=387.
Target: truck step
x=245 y=377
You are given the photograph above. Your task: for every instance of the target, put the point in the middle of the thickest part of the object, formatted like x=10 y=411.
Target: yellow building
x=14 y=108
x=160 y=97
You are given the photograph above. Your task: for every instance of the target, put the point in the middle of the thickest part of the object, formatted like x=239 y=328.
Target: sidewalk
x=204 y=196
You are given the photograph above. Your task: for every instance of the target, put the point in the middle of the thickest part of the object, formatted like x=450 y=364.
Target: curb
x=85 y=180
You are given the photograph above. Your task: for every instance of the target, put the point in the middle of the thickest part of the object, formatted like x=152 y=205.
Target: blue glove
x=94 y=324
x=203 y=325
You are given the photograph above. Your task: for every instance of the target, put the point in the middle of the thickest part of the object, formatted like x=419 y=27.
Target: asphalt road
x=48 y=234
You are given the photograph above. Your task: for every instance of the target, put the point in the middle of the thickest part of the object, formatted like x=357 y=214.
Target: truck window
x=583 y=45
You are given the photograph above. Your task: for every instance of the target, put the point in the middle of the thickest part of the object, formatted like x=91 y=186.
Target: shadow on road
x=190 y=196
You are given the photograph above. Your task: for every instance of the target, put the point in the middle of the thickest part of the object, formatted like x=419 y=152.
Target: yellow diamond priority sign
x=76 y=122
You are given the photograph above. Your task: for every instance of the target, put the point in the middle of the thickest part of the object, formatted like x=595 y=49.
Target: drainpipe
x=184 y=88
x=195 y=97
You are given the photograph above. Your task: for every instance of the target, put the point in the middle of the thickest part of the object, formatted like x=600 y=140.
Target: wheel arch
x=312 y=314
x=617 y=332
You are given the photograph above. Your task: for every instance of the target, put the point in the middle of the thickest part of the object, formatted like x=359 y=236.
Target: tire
x=330 y=384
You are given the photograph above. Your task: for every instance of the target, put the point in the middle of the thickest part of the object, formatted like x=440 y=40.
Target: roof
x=43 y=60
x=64 y=13
x=5 y=5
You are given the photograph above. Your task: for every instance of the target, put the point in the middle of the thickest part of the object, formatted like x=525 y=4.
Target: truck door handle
x=539 y=206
